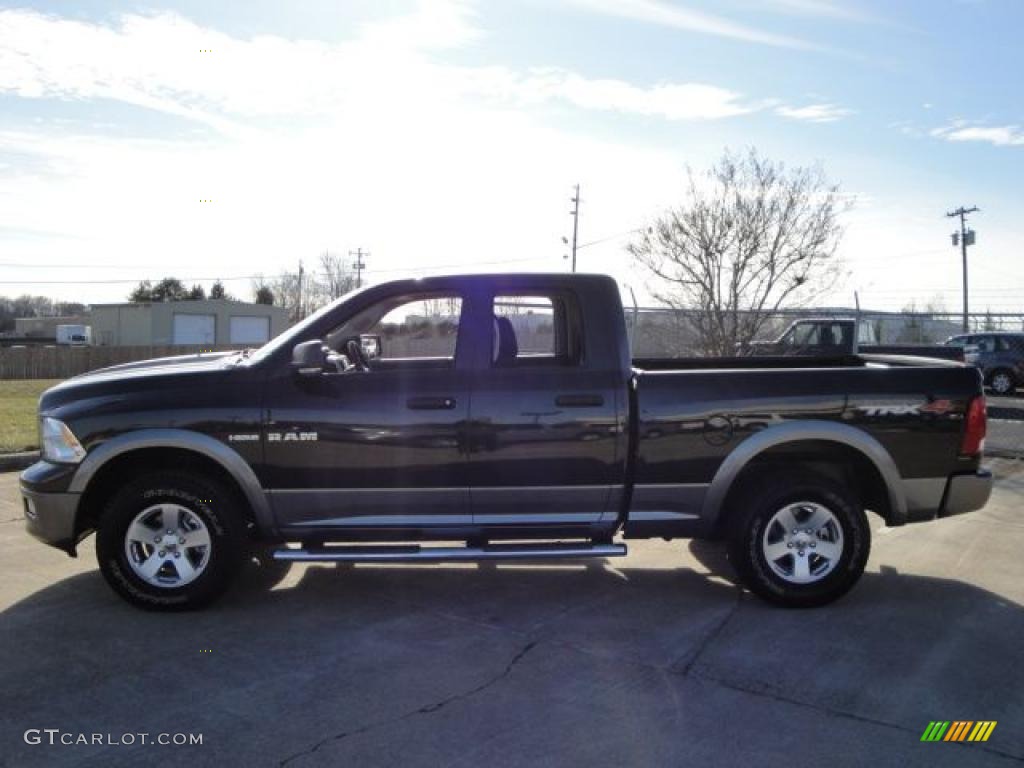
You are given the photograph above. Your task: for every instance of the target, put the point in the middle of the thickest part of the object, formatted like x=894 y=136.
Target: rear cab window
x=536 y=329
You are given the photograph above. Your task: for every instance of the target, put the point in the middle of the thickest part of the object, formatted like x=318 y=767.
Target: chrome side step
x=416 y=553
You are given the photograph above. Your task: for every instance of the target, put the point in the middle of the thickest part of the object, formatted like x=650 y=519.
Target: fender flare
x=801 y=430
x=213 y=449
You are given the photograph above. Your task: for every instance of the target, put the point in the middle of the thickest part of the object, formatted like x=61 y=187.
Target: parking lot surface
x=654 y=659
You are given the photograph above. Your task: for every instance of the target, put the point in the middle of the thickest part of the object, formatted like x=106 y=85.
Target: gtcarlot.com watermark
x=55 y=736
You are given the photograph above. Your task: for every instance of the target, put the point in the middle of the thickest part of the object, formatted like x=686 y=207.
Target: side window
x=410 y=328
x=534 y=329
x=806 y=335
x=986 y=344
x=832 y=335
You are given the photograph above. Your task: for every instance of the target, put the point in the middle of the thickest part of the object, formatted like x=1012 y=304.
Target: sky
x=226 y=140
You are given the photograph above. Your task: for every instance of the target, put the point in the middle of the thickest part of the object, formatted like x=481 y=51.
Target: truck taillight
x=973 y=441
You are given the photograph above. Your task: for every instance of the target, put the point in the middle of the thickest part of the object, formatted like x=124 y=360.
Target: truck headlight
x=59 y=443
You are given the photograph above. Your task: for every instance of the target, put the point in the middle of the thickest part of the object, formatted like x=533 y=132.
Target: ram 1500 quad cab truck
x=516 y=423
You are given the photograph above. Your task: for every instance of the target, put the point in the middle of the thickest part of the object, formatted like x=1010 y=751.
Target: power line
x=454 y=266
x=125 y=281
x=37 y=265
x=613 y=237
x=235 y=278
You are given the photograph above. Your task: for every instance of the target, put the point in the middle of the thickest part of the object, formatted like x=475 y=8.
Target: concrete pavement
x=655 y=659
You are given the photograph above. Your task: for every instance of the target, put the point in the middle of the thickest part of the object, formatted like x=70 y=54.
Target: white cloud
x=673 y=101
x=438 y=25
x=999 y=135
x=679 y=17
x=155 y=62
x=307 y=146
x=304 y=145
x=814 y=113
x=830 y=9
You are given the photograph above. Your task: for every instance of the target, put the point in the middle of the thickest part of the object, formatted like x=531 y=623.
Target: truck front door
x=378 y=448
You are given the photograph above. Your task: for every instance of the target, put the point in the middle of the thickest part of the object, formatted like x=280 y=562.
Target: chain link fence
x=661 y=332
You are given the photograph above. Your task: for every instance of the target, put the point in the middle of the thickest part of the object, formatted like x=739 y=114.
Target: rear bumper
x=966 y=493
x=929 y=498
x=50 y=516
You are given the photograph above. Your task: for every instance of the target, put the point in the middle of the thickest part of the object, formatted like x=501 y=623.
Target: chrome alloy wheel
x=1002 y=383
x=167 y=545
x=802 y=542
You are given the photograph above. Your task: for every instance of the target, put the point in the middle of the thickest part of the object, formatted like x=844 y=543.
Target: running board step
x=416 y=553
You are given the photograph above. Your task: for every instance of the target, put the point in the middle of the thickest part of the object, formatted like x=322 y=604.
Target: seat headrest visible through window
x=506 y=348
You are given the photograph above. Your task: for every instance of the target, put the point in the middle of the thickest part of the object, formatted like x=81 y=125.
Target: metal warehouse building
x=215 y=322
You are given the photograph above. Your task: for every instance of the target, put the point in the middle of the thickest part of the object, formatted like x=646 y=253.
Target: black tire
x=1005 y=380
x=213 y=504
x=754 y=507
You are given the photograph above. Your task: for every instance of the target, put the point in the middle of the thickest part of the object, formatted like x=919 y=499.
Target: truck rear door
x=547 y=423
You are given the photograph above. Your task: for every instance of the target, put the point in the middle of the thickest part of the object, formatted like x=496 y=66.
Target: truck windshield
x=296 y=331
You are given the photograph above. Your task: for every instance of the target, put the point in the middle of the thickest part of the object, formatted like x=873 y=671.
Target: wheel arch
x=869 y=460
x=165 y=448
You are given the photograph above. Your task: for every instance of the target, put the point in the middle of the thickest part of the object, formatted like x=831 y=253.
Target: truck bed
x=862 y=360
x=692 y=415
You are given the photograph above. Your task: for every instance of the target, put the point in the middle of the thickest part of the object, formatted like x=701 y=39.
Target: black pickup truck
x=505 y=412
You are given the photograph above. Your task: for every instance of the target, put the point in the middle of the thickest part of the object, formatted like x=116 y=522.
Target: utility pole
x=964 y=237
x=359 y=265
x=575 y=212
x=299 y=308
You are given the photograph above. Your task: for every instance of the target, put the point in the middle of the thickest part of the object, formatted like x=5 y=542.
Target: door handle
x=579 y=401
x=430 y=403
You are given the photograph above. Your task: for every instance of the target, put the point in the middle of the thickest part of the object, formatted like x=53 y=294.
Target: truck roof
x=501 y=279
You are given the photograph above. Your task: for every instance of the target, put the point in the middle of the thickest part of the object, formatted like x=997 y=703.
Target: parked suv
x=1000 y=356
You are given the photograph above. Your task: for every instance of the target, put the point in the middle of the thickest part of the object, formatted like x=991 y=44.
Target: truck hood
x=161 y=365
x=117 y=380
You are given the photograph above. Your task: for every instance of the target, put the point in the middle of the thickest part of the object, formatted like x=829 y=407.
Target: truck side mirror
x=371 y=345
x=309 y=358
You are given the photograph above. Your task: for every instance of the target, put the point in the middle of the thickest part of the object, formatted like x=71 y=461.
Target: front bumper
x=966 y=493
x=50 y=516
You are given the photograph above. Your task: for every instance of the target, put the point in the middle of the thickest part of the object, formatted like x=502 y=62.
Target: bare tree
x=318 y=287
x=285 y=289
x=751 y=238
x=334 y=279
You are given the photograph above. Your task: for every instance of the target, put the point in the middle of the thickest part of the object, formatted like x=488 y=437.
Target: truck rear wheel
x=798 y=539
x=170 y=541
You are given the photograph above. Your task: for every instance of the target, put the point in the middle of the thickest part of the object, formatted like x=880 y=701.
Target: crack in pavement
x=426 y=709
x=684 y=670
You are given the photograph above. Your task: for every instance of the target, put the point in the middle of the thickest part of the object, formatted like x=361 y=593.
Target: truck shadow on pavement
x=898 y=651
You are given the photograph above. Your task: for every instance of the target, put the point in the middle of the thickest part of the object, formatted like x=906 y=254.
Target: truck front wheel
x=170 y=541
x=799 y=540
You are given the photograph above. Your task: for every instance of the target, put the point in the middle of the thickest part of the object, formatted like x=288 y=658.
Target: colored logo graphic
x=958 y=730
